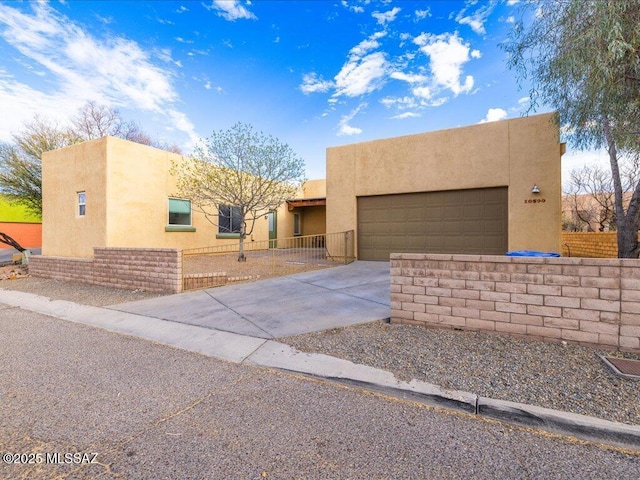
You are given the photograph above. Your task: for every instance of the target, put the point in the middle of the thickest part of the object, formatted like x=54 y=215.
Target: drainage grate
x=624 y=366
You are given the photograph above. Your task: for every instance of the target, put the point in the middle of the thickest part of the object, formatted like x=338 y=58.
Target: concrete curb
x=269 y=353
x=284 y=357
x=579 y=426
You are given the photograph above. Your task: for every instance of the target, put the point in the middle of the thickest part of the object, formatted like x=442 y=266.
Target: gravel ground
x=154 y=412
x=75 y=292
x=563 y=377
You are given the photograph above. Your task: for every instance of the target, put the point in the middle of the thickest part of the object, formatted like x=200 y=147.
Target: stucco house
x=111 y=193
x=482 y=189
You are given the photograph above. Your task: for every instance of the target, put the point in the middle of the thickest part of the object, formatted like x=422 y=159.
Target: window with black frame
x=229 y=219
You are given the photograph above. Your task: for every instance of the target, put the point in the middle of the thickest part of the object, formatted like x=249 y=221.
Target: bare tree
x=20 y=160
x=96 y=121
x=591 y=197
x=238 y=176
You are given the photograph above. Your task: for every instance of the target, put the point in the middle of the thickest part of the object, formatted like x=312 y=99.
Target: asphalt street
x=152 y=411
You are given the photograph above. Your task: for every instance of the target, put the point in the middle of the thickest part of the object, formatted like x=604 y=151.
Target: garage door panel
x=462 y=221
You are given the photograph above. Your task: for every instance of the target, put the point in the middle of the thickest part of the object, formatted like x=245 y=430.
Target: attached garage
x=466 y=190
x=473 y=221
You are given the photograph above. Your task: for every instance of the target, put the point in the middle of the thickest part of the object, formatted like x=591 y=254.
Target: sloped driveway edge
x=284 y=357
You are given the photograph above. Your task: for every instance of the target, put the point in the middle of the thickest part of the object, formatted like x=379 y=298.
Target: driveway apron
x=282 y=306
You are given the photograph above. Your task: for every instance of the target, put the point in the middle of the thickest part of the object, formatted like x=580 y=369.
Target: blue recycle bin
x=531 y=253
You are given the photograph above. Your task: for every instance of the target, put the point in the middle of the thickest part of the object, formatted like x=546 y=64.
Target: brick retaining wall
x=590 y=244
x=149 y=269
x=71 y=269
x=579 y=300
x=196 y=281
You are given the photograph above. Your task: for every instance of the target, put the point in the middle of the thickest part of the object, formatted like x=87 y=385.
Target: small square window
x=82 y=204
x=179 y=211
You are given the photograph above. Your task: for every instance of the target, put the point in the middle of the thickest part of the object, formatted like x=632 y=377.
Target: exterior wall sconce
x=535 y=189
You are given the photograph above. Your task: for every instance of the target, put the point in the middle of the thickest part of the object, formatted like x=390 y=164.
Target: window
x=229 y=219
x=179 y=211
x=296 y=224
x=82 y=204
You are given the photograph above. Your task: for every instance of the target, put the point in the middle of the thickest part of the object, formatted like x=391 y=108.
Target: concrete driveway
x=282 y=306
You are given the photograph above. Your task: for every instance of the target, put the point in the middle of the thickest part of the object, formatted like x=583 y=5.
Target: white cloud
x=182 y=9
x=361 y=75
x=511 y=19
x=494 y=114
x=105 y=20
x=477 y=19
x=367 y=44
x=447 y=53
x=231 y=10
x=353 y=8
x=400 y=103
x=409 y=77
x=511 y=3
x=386 y=17
x=113 y=71
x=343 y=126
x=207 y=85
x=422 y=14
x=404 y=115
x=312 y=83
x=422 y=92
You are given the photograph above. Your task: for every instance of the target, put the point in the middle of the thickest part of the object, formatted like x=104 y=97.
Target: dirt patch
x=13 y=272
x=264 y=264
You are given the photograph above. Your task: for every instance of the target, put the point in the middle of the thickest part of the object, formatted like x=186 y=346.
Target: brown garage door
x=459 y=221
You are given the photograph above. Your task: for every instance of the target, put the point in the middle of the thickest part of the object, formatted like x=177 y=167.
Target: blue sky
x=313 y=73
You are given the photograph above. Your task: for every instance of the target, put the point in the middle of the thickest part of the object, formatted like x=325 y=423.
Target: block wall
x=149 y=269
x=590 y=244
x=586 y=301
x=70 y=269
x=197 y=281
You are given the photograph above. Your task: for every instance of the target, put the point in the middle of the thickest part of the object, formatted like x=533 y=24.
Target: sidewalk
x=269 y=353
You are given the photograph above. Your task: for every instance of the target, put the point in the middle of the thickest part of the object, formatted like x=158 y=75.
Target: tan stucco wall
x=516 y=153
x=315 y=216
x=314 y=189
x=314 y=220
x=127 y=186
x=65 y=172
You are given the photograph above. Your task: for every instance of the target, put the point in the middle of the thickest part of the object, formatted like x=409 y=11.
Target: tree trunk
x=241 y=257
x=628 y=242
x=7 y=240
x=627 y=222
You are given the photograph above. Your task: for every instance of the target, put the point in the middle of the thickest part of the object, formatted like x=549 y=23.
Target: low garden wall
x=590 y=244
x=581 y=300
x=149 y=269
